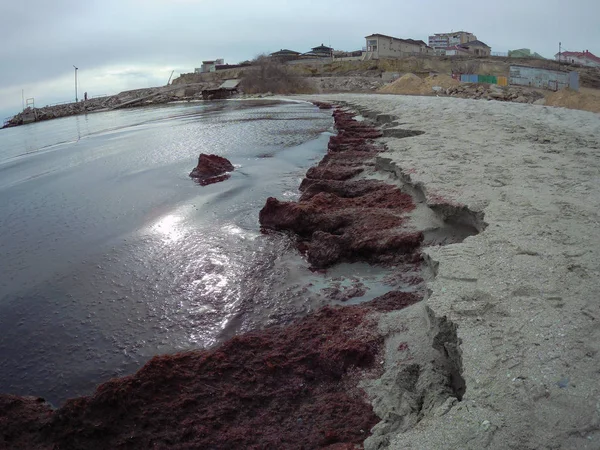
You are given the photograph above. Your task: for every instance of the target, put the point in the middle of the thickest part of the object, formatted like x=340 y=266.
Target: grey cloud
x=44 y=38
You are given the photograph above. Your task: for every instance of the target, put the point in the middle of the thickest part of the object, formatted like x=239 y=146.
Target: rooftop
x=322 y=47
x=584 y=55
x=285 y=51
x=476 y=43
x=408 y=41
x=453 y=32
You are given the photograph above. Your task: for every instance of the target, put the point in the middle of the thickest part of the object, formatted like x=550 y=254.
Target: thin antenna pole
x=23 y=98
x=75 y=84
x=559 y=52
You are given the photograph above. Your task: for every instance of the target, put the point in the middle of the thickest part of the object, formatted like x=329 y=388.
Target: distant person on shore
x=85 y=96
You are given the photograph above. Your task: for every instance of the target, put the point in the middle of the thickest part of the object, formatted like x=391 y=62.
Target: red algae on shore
x=283 y=387
x=291 y=386
x=341 y=219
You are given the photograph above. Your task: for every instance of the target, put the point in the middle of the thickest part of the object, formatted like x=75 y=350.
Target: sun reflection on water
x=169 y=227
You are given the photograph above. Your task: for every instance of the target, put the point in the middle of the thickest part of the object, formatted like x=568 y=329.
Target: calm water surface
x=110 y=253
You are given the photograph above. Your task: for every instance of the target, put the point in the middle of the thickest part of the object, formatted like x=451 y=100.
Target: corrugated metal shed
x=230 y=84
x=469 y=78
x=543 y=78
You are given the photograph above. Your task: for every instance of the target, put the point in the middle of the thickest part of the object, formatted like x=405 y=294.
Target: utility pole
x=559 y=52
x=76 y=83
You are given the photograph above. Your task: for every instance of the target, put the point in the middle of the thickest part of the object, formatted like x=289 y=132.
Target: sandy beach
x=523 y=294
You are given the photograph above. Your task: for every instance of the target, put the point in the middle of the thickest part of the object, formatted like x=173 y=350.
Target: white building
x=585 y=58
x=382 y=46
x=210 y=66
x=440 y=41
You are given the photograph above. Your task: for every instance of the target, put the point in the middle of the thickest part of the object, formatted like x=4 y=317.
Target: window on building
x=372 y=45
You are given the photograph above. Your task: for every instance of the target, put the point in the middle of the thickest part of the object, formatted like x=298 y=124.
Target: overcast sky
x=127 y=44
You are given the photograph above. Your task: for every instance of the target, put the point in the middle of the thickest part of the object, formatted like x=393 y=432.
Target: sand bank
x=523 y=294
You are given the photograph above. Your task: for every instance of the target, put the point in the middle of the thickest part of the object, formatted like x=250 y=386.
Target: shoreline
x=511 y=308
x=321 y=372
x=325 y=365
x=523 y=293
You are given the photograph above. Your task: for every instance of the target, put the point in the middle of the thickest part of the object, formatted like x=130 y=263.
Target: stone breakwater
x=324 y=381
x=126 y=99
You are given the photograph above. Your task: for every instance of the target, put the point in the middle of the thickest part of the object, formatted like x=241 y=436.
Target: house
x=442 y=41
x=382 y=46
x=209 y=66
x=477 y=48
x=457 y=50
x=585 y=58
x=226 y=90
x=322 y=51
x=285 y=55
x=524 y=53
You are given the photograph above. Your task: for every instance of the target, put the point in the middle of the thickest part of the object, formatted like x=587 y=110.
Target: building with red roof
x=585 y=58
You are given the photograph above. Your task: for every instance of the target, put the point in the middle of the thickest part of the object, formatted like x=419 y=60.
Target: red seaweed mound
x=339 y=218
x=211 y=169
x=283 y=387
x=21 y=421
x=322 y=105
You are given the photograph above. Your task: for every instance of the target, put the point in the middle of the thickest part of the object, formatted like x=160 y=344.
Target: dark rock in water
x=211 y=169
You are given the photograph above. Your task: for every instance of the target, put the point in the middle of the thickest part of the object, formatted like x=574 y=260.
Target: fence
x=527 y=76
x=81 y=100
x=60 y=103
x=488 y=79
x=543 y=78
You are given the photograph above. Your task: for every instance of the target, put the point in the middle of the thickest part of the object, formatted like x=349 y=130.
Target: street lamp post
x=75 y=84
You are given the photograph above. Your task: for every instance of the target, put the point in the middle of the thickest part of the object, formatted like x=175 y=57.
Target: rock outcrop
x=126 y=99
x=211 y=169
